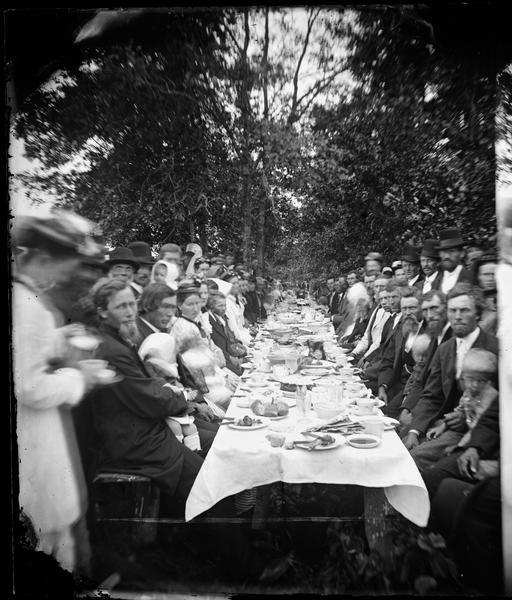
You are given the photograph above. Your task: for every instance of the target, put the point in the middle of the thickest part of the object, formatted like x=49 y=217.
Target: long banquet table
x=243 y=459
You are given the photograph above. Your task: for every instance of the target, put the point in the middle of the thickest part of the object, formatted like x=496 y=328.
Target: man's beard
x=130 y=333
x=409 y=325
x=435 y=327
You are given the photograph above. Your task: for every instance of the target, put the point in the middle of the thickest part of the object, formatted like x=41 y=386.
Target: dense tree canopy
x=303 y=138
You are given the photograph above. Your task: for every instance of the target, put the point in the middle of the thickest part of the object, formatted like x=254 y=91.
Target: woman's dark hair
x=188 y=287
x=153 y=295
x=212 y=285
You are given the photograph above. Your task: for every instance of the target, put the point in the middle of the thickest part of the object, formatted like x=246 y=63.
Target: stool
x=120 y=497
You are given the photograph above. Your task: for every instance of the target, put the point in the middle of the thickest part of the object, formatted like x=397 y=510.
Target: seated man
x=130 y=415
x=222 y=336
x=433 y=308
x=442 y=391
x=479 y=378
x=397 y=360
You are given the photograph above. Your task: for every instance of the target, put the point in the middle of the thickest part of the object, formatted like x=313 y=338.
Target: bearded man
x=133 y=436
x=433 y=308
x=397 y=360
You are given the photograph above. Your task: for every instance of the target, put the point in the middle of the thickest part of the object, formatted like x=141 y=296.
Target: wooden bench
x=126 y=507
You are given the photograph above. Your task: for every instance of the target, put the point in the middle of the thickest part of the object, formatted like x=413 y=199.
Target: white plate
x=356 y=411
x=389 y=423
x=336 y=444
x=247 y=365
x=322 y=364
x=244 y=402
x=108 y=376
x=363 y=440
x=245 y=428
x=315 y=372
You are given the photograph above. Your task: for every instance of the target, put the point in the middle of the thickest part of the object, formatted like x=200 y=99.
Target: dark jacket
x=223 y=338
x=441 y=393
x=485 y=436
x=129 y=417
x=254 y=309
x=417 y=387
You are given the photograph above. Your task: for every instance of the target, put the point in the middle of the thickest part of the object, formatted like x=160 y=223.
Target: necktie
x=461 y=353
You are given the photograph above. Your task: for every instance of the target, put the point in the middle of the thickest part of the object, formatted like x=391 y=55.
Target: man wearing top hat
x=141 y=278
x=411 y=266
x=121 y=264
x=451 y=253
x=429 y=258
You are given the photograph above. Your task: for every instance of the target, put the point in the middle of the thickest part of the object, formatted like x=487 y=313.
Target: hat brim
x=448 y=244
x=121 y=261
x=411 y=259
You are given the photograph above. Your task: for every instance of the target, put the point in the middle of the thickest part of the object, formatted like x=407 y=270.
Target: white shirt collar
x=450 y=279
x=469 y=339
x=414 y=279
x=137 y=287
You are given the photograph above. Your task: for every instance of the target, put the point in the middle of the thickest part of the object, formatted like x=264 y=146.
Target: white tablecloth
x=240 y=460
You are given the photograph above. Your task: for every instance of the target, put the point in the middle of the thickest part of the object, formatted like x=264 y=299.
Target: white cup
x=374 y=427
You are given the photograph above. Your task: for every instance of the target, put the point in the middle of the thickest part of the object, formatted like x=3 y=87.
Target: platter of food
x=247 y=423
x=363 y=440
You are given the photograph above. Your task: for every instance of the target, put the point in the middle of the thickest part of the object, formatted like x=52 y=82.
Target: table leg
x=377 y=514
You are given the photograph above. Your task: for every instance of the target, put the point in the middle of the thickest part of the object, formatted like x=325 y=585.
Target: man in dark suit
x=429 y=259
x=397 y=361
x=222 y=336
x=372 y=364
x=142 y=277
x=451 y=253
x=433 y=308
x=254 y=310
x=132 y=435
x=157 y=307
x=411 y=266
x=442 y=390
x=334 y=296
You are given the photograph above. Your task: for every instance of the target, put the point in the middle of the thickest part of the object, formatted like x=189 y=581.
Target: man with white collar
x=411 y=265
x=443 y=390
x=451 y=252
x=429 y=258
x=141 y=278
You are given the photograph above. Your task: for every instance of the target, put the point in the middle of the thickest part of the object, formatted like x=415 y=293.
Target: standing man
x=429 y=258
x=141 y=278
x=121 y=265
x=411 y=265
x=451 y=252
x=443 y=390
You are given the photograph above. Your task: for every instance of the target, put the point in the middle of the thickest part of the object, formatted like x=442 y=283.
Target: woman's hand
x=435 y=432
x=468 y=463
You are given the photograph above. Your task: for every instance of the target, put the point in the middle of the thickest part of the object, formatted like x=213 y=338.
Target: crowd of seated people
x=175 y=324
x=171 y=322
x=423 y=332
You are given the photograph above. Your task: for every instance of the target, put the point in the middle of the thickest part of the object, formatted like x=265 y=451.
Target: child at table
x=478 y=376
x=156 y=352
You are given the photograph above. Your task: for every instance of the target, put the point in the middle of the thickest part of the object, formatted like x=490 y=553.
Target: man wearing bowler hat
x=411 y=265
x=121 y=264
x=142 y=253
x=429 y=258
x=451 y=253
